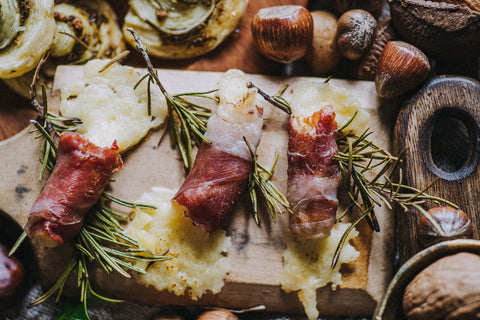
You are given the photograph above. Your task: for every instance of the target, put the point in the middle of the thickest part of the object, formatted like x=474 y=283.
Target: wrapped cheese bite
x=80 y=174
x=221 y=168
x=313 y=173
x=318 y=110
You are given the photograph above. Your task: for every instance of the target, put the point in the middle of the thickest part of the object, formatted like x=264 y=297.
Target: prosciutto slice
x=313 y=173
x=221 y=168
x=80 y=174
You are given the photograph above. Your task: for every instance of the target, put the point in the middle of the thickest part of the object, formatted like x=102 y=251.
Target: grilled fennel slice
x=26 y=31
x=182 y=29
x=84 y=30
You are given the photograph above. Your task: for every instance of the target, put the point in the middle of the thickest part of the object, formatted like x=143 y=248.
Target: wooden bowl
x=442 y=30
x=390 y=307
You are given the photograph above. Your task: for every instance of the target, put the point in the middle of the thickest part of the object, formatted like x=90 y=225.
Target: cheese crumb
x=109 y=105
x=307 y=265
x=199 y=263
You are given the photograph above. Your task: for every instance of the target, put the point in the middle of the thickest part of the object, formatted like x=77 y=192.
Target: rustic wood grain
x=447 y=97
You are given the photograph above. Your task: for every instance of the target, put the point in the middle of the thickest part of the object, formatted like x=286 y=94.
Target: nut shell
x=448 y=223
x=368 y=64
x=447 y=289
x=442 y=30
x=323 y=55
x=217 y=315
x=356 y=30
x=401 y=67
x=11 y=274
x=282 y=33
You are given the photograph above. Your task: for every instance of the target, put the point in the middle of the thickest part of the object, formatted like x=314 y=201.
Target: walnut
x=448 y=289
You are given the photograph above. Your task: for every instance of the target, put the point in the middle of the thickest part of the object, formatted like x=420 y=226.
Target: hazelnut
x=401 y=67
x=220 y=314
x=443 y=223
x=356 y=31
x=323 y=55
x=282 y=33
x=368 y=64
x=449 y=288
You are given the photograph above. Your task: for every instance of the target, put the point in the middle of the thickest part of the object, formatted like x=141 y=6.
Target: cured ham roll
x=76 y=183
x=313 y=173
x=221 y=168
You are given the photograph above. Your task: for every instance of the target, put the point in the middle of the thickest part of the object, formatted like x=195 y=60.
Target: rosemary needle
x=102 y=239
x=358 y=159
x=259 y=182
x=186 y=121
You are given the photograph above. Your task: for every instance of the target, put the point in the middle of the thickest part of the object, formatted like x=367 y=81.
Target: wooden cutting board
x=256 y=254
x=440 y=129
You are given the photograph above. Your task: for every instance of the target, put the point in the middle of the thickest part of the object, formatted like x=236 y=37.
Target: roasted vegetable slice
x=84 y=30
x=26 y=31
x=182 y=29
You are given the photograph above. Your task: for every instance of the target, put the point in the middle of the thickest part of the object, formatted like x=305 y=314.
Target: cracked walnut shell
x=447 y=289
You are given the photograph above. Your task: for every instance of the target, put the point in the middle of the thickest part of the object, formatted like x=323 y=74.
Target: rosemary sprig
x=371 y=176
x=259 y=182
x=186 y=121
x=102 y=239
x=276 y=100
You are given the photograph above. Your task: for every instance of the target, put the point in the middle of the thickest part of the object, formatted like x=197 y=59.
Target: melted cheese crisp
x=309 y=97
x=109 y=106
x=307 y=266
x=199 y=263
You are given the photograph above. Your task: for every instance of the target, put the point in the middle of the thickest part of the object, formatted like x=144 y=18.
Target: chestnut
x=282 y=33
x=11 y=274
x=356 y=30
x=443 y=223
x=219 y=314
x=401 y=67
